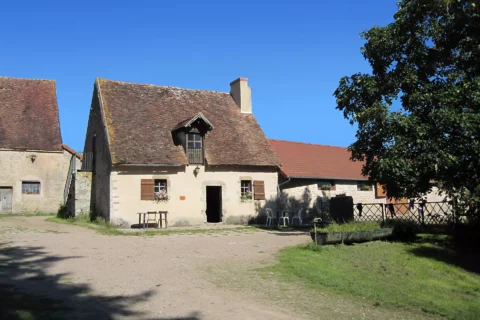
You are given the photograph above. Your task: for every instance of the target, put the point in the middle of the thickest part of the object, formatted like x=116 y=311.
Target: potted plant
x=162 y=195
x=246 y=196
x=326 y=187
x=365 y=187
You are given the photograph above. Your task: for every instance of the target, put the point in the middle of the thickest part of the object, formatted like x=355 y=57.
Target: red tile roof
x=73 y=152
x=316 y=161
x=29 y=115
x=140 y=119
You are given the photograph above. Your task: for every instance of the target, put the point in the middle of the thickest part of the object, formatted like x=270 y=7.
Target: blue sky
x=293 y=53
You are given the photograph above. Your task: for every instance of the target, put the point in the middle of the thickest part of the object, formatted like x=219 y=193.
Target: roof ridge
x=308 y=143
x=160 y=86
x=29 y=79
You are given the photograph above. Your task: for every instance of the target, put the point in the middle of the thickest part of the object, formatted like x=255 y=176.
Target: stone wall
x=296 y=188
x=187 y=192
x=97 y=138
x=48 y=169
x=83 y=189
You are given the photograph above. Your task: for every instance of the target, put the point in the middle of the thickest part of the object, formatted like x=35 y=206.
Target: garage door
x=6 y=199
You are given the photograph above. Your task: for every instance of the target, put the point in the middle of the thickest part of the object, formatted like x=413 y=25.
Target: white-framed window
x=160 y=185
x=30 y=187
x=246 y=189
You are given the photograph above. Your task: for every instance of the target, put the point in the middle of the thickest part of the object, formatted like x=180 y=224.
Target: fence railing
x=87 y=162
x=419 y=212
x=195 y=156
x=70 y=175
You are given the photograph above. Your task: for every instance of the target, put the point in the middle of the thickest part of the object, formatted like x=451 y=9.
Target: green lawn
x=9 y=215
x=418 y=277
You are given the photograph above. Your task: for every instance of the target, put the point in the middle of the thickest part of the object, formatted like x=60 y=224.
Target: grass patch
x=103 y=227
x=416 y=277
x=9 y=215
x=351 y=227
x=99 y=225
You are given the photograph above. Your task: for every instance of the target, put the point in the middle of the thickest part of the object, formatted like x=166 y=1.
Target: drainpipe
x=281 y=184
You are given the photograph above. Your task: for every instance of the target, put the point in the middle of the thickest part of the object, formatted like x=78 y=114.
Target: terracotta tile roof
x=316 y=161
x=140 y=119
x=29 y=115
x=73 y=152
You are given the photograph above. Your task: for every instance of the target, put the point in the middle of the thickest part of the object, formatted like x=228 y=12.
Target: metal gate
x=6 y=194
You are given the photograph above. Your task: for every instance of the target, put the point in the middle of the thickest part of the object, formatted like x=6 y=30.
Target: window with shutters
x=160 y=190
x=246 y=190
x=258 y=190
x=147 y=189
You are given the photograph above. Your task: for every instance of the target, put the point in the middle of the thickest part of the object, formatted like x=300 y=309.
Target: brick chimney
x=242 y=94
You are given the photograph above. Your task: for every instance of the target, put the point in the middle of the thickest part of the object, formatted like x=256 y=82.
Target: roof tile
x=316 y=161
x=29 y=115
x=140 y=119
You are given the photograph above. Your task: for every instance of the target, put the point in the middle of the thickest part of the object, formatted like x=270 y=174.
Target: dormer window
x=195 y=148
x=190 y=133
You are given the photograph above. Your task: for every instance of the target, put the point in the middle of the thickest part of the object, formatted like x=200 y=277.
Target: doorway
x=6 y=194
x=214 y=204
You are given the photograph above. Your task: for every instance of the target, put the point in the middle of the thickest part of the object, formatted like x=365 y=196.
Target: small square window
x=246 y=189
x=160 y=185
x=326 y=186
x=30 y=187
x=364 y=186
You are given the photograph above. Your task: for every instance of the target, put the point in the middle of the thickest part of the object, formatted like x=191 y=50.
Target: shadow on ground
x=27 y=291
x=442 y=248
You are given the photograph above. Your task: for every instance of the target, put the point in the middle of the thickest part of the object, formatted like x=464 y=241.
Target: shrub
x=402 y=230
x=63 y=212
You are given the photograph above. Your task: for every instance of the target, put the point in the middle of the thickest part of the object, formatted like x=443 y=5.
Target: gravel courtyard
x=136 y=277
x=65 y=271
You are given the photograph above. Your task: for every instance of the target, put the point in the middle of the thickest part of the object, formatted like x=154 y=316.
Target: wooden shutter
x=147 y=189
x=258 y=190
x=380 y=191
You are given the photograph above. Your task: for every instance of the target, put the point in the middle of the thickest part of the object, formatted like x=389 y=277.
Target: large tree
x=418 y=111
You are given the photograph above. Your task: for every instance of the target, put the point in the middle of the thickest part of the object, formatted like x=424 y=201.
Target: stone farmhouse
x=327 y=171
x=200 y=155
x=34 y=164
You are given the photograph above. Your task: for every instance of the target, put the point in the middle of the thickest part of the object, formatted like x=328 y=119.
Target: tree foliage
x=418 y=111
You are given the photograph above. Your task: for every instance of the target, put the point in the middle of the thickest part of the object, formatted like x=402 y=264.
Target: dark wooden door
x=214 y=204
x=6 y=195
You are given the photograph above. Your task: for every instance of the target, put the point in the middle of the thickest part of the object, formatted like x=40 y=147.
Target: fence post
x=383 y=212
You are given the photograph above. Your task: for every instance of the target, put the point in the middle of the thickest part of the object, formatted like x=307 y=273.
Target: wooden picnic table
x=163 y=216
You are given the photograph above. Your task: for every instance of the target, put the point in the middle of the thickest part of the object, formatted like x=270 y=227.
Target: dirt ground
x=163 y=277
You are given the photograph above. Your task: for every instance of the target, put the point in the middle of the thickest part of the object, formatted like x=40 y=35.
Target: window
x=325 y=186
x=364 y=186
x=195 y=148
x=160 y=185
x=30 y=187
x=246 y=189
x=259 y=190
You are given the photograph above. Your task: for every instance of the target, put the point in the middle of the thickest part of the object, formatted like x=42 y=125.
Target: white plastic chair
x=284 y=217
x=270 y=217
x=298 y=216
